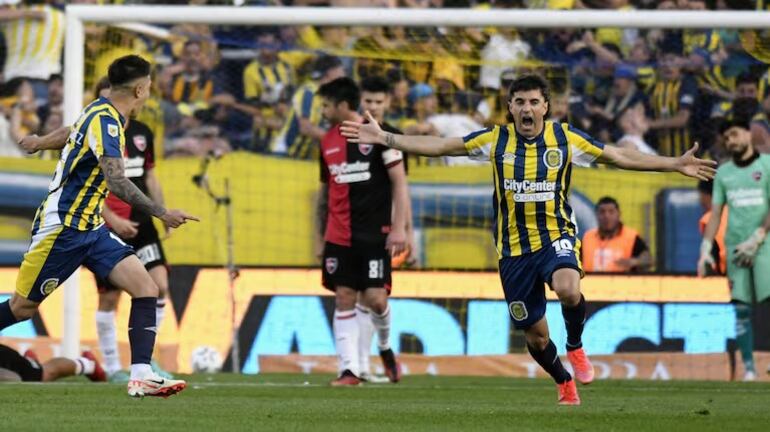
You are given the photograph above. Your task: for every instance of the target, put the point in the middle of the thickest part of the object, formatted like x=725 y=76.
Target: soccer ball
x=205 y=359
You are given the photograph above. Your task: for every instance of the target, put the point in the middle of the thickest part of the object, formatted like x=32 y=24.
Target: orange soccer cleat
x=584 y=370
x=568 y=394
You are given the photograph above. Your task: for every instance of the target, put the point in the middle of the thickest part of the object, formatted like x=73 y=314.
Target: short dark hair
x=375 y=84
x=126 y=69
x=746 y=78
x=324 y=64
x=342 y=90
x=103 y=83
x=734 y=122
x=706 y=187
x=530 y=82
x=607 y=200
x=55 y=77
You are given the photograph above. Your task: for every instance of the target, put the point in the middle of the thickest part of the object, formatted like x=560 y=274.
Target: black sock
x=6 y=316
x=142 y=329
x=574 y=319
x=550 y=361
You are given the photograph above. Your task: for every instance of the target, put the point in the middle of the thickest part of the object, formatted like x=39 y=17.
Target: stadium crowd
x=219 y=88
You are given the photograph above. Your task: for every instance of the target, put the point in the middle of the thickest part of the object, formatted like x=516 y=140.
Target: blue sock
x=6 y=316
x=549 y=360
x=574 y=319
x=142 y=329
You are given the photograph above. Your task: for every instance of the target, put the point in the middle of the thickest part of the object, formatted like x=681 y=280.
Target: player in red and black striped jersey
x=136 y=229
x=362 y=210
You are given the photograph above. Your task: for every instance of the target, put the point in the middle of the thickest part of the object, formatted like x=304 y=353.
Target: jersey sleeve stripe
x=475 y=134
x=588 y=138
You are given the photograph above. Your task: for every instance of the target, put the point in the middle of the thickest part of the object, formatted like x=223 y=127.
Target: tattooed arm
x=120 y=185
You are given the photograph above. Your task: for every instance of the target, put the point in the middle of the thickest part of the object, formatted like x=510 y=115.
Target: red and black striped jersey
x=359 y=208
x=138 y=157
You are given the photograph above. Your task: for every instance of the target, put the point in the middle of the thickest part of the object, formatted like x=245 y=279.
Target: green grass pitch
x=420 y=403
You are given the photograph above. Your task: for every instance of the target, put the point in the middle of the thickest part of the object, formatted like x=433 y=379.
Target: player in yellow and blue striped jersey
x=534 y=232
x=68 y=230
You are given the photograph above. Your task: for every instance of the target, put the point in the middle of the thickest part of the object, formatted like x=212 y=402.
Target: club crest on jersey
x=518 y=310
x=112 y=130
x=553 y=158
x=48 y=286
x=757 y=175
x=365 y=149
x=331 y=265
x=140 y=142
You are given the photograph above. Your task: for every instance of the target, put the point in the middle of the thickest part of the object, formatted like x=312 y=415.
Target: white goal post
x=77 y=15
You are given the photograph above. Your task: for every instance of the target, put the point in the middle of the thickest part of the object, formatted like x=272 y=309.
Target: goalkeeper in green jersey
x=743 y=185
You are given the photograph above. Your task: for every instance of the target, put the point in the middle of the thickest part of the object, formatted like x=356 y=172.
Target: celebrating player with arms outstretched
x=68 y=229
x=743 y=185
x=534 y=232
x=360 y=182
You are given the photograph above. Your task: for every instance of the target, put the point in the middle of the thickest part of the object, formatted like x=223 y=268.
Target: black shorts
x=148 y=249
x=361 y=266
x=27 y=369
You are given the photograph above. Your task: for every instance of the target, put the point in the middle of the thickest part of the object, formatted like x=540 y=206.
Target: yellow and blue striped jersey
x=267 y=82
x=34 y=47
x=289 y=140
x=667 y=98
x=78 y=188
x=532 y=179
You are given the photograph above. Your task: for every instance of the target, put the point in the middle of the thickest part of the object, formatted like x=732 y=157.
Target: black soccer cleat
x=392 y=367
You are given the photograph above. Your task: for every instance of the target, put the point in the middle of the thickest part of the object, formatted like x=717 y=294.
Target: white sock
x=346 y=337
x=160 y=311
x=84 y=366
x=140 y=371
x=382 y=325
x=365 y=335
x=108 y=341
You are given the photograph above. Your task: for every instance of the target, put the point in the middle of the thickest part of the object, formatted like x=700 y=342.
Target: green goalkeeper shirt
x=745 y=190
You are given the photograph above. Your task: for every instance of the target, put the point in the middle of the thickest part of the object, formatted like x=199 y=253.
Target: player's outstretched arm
x=117 y=183
x=687 y=164
x=371 y=133
x=55 y=140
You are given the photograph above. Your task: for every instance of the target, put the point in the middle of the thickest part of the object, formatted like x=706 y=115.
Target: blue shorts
x=57 y=251
x=524 y=278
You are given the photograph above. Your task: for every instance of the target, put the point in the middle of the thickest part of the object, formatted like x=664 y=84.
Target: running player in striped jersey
x=68 y=229
x=534 y=232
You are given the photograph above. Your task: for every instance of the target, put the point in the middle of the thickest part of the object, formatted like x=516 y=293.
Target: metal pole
x=74 y=58
x=232 y=273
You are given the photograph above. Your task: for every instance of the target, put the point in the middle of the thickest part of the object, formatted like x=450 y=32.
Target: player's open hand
x=396 y=242
x=692 y=166
x=175 y=218
x=364 y=133
x=30 y=143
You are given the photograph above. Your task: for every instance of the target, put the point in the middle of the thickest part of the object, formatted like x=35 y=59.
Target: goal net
x=233 y=101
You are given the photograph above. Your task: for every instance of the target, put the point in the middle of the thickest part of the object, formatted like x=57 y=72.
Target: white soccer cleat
x=749 y=376
x=155 y=385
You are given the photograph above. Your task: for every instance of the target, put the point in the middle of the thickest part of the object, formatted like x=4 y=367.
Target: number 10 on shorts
x=376 y=269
